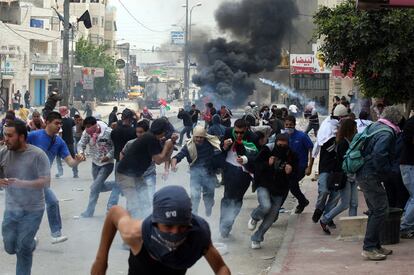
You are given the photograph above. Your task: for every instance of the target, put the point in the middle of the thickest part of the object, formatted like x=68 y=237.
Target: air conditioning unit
x=378 y=4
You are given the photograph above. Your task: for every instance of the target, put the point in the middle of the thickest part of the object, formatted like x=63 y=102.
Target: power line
x=139 y=22
x=28 y=39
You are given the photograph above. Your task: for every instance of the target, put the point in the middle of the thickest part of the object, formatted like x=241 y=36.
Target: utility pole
x=72 y=60
x=186 y=75
x=65 y=62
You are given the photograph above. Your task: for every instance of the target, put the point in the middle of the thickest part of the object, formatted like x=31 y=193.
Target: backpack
x=353 y=159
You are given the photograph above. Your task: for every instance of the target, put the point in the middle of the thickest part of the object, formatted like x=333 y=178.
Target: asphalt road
x=76 y=255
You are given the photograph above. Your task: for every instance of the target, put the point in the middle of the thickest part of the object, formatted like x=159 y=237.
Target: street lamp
x=186 y=52
x=191 y=16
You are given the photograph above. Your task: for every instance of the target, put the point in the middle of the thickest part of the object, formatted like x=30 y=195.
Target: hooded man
x=325 y=144
x=98 y=136
x=200 y=152
x=169 y=241
x=274 y=166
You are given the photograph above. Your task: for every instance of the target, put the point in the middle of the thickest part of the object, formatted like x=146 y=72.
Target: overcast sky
x=159 y=15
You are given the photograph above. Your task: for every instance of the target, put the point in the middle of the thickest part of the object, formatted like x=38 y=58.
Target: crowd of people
x=264 y=148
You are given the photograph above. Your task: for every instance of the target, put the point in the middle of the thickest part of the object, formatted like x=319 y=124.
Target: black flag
x=86 y=18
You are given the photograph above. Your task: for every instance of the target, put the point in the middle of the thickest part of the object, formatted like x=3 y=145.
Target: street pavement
x=76 y=255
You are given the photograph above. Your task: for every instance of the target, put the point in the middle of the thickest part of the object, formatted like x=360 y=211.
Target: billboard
x=177 y=38
x=302 y=64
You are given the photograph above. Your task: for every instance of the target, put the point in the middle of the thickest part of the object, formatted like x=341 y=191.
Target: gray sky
x=159 y=15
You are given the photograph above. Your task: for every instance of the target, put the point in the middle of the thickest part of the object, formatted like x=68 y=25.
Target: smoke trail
x=292 y=93
x=257 y=28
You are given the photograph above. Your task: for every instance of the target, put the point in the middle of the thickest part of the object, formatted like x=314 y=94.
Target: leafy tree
x=91 y=55
x=377 y=46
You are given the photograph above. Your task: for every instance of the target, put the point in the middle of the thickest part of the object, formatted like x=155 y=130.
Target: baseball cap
x=172 y=206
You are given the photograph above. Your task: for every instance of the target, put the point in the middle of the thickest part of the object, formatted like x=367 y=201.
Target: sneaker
x=75 y=176
x=384 y=251
x=299 y=209
x=373 y=255
x=85 y=215
x=58 y=175
x=332 y=225
x=251 y=225
x=316 y=215
x=60 y=239
x=325 y=227
x=255 y=245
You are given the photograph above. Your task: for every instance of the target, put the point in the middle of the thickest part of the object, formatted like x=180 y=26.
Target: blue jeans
x=136 y=194
x=100 y=174
x=345 y=194
x=201 y=182
x=407 y=172
x=327 y=199
x=353 y=204
x=19 y=229
x=186 y=130
x=150 y=181
x=53 y=212
x=268 y=211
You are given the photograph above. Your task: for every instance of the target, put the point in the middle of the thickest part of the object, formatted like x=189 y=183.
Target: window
x=311 y=82
x=108 y=25
x=94 y=21
x=102 y=22
x=115 y=29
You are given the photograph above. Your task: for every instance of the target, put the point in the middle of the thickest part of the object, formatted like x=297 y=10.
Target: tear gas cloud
x=257 y=29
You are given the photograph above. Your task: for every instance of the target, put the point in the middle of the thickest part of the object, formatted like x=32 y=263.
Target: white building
x=30 y=48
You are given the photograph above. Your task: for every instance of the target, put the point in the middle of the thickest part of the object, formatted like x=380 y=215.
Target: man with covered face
x=275 y=165
x=169 y=241
x=200 y=152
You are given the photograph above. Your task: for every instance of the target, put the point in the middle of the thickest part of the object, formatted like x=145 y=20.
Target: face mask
x=282 y=150
x=164 y=243
x=289 y=131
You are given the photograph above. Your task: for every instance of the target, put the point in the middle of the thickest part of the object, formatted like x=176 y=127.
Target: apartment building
x=30 y=48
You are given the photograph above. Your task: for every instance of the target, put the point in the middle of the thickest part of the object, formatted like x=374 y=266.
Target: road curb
x=277 y=265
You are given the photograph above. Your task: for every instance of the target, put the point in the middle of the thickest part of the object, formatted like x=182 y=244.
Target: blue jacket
x=379 y=153
x=216 y=129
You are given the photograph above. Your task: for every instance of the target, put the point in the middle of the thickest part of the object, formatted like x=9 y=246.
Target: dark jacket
x=240 y=150
x=112 y=118
x=379 y=153
x=185 y=116
x=216 y=129
x=274 y=178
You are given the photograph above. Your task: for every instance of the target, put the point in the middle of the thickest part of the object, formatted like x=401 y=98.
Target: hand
x=4 y=182
x=272 y=161
x=174 y=137
x=227 y=143
x=99 y=268
x=165 y=175
x=81 y=156
x=308 y=171
x=105 y=159
x=239 y=160
x=288 y=169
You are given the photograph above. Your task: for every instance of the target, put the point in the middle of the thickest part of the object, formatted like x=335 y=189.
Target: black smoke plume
x=257 y=29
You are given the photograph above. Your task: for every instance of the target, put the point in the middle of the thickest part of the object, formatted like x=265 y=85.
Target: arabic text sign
x=302 y=64
x=177 y=38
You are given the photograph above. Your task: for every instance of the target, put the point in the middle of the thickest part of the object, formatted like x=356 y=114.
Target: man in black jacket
x=274 y=166
x=239 y=152
x=112 y=116
x=188 y=124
